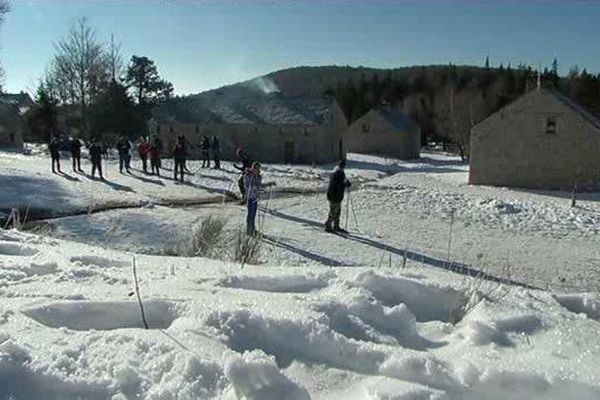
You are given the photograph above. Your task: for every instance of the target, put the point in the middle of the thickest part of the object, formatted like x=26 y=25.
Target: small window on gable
x=366 y=128
x=12 y=137
x=551 y=126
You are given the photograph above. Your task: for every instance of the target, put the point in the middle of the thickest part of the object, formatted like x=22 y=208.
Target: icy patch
x=99 y=261
x=365 y=320
x=16 y=249
x=86 y=315
x=582 y=303
x=428 y=302
x=255 y=376
x=282 y=283
x=289 y=340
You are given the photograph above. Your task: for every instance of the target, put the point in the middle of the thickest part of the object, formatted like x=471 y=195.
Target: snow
x=374 y=315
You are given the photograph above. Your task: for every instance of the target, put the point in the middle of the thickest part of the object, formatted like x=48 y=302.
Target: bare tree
x=115 y=59
x=80 y=68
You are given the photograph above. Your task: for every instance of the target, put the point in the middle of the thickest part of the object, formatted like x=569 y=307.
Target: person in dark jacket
x=155 y=150
x=335 y=194
x=179 y=156
x=123 y=147
x=75 y=147
x=215 y=148
x=54 y=148
x=95 y=151
x=252 y=182
x=205 y=151
x=144 y=150
x=243 y=157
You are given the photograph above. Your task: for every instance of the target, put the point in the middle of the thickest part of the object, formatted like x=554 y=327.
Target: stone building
x=271 y=127
x=12 y=123
x=543 y=140
x=385 y=131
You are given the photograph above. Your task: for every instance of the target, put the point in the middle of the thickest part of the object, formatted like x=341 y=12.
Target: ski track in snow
x=71 y=326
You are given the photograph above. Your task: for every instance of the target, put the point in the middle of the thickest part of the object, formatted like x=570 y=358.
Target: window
x=197 y=129
x=281 y=132
x=306 y=132
x=551 y=125
x=366 y=128
x=157 y=129
x=12 y=137
x=171 y=129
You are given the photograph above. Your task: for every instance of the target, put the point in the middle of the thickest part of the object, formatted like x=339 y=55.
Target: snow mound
x=427 y=301
x=99 y=261
x=20 y=272
x=289 y=340
x=86 y=315
x=255 y=376
x=282 y=283
x=366 y=320
x=21 y=379
x=15 y=249
x=582 y=303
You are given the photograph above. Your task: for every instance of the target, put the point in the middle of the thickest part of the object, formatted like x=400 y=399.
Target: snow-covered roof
x=271 y=109
x=16 y=99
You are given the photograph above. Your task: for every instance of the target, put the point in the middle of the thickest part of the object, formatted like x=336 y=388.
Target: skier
x=252 y=182
x=185 y=144
x=179 y=156
x=335 y=194
x=155 y=150
x=143 y=150
x=215 y=147
x=123 y=147
x=95 y=151
x=54 y=148
x=205 y=150
x=246 y=163
x=129 y=154
x=75 y=147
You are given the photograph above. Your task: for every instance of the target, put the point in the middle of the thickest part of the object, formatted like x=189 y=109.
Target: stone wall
x=512 y=147
x=267 y=143
x=373 y=134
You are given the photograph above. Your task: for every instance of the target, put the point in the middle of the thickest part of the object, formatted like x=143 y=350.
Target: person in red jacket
x=144 y=150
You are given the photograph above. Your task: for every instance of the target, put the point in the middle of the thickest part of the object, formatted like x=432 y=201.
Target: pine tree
x=487 y=62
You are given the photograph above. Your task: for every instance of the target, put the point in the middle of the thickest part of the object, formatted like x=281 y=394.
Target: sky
x=200 y=45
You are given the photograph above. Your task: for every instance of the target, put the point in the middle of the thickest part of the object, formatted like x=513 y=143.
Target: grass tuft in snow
x=247 y=248
x=207 y=236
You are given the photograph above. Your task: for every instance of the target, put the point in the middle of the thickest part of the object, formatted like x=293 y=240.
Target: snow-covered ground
x=374 y=315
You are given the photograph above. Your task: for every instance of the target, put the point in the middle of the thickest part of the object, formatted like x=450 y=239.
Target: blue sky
x=200 y=45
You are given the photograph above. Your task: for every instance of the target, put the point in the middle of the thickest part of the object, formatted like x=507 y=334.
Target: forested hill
x=445 y=99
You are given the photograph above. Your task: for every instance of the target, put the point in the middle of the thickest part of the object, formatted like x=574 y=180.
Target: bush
x=207 y=236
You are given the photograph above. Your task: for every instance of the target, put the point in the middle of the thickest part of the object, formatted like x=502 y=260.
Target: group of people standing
x=96 y=149
x=249 y=182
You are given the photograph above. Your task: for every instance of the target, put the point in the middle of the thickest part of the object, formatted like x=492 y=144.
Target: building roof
x=271 y=109
x=16 y=99
x=396 y=117
x=577 y=108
